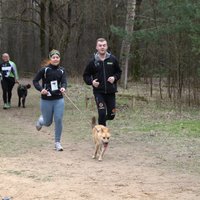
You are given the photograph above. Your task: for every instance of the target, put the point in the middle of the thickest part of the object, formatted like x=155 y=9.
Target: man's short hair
x=5 y=54
x=101 y=40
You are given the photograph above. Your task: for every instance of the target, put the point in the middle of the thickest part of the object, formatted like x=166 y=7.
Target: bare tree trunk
x=151 y=85
x=44 y=29
x=189 y=92
x=160 y=86
x=126 y=43
x=0 y=24
x=135 y=68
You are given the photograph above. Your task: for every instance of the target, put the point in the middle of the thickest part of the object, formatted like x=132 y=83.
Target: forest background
x=162 y=39
x=155 y=143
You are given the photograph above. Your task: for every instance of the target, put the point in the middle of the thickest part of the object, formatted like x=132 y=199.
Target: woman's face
x=55 y=59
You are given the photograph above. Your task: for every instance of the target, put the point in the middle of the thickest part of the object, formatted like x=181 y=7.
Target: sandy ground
x=130 y=169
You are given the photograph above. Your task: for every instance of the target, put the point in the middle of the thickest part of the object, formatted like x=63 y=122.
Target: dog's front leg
x=96 y=150
x=23 y=101
x=19 y=102
x=102 y=151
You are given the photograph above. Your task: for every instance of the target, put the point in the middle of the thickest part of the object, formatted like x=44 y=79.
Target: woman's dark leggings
x=7 y=86
x=106 y=107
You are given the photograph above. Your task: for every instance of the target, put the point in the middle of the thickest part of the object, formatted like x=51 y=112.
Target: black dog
x=22 y=91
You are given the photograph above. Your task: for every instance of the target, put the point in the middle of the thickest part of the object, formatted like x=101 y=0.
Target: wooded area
x=156 y=41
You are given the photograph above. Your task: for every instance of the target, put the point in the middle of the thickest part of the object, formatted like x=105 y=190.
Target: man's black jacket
x=102 y=70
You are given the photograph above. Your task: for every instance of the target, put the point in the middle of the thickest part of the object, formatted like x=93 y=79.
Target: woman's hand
x=44 y=92
x=62 y=89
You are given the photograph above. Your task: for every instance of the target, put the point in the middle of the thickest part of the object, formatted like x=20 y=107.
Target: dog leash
x=75 y=106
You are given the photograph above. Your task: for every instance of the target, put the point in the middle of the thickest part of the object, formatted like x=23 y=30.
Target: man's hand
x=111 y=79
x=95 y=83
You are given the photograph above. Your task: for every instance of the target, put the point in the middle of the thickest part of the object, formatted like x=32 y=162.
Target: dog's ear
x=105 y=129
x=28 y=86
x=98 y=129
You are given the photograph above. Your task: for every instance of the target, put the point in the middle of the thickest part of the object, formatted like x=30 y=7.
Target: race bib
x=54 y=85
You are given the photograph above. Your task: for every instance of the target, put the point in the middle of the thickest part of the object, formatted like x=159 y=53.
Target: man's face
x=102 y=47
x=5 y=57
x=55 y=59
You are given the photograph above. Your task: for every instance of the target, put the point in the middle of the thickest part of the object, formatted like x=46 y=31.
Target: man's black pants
x=7 y=86
x=106 y=107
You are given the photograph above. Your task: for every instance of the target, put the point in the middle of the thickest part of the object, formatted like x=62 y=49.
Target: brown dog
x=101 y=137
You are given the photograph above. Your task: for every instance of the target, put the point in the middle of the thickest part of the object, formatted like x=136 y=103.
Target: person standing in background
x=9 y=77
x=53 y=86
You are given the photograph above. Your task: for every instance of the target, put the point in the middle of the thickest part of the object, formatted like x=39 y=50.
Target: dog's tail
x=93 y=121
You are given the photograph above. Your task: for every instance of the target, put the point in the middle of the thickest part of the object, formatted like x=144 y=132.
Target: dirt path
x=32 y=170
x=72 y=174
x=125 y=173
